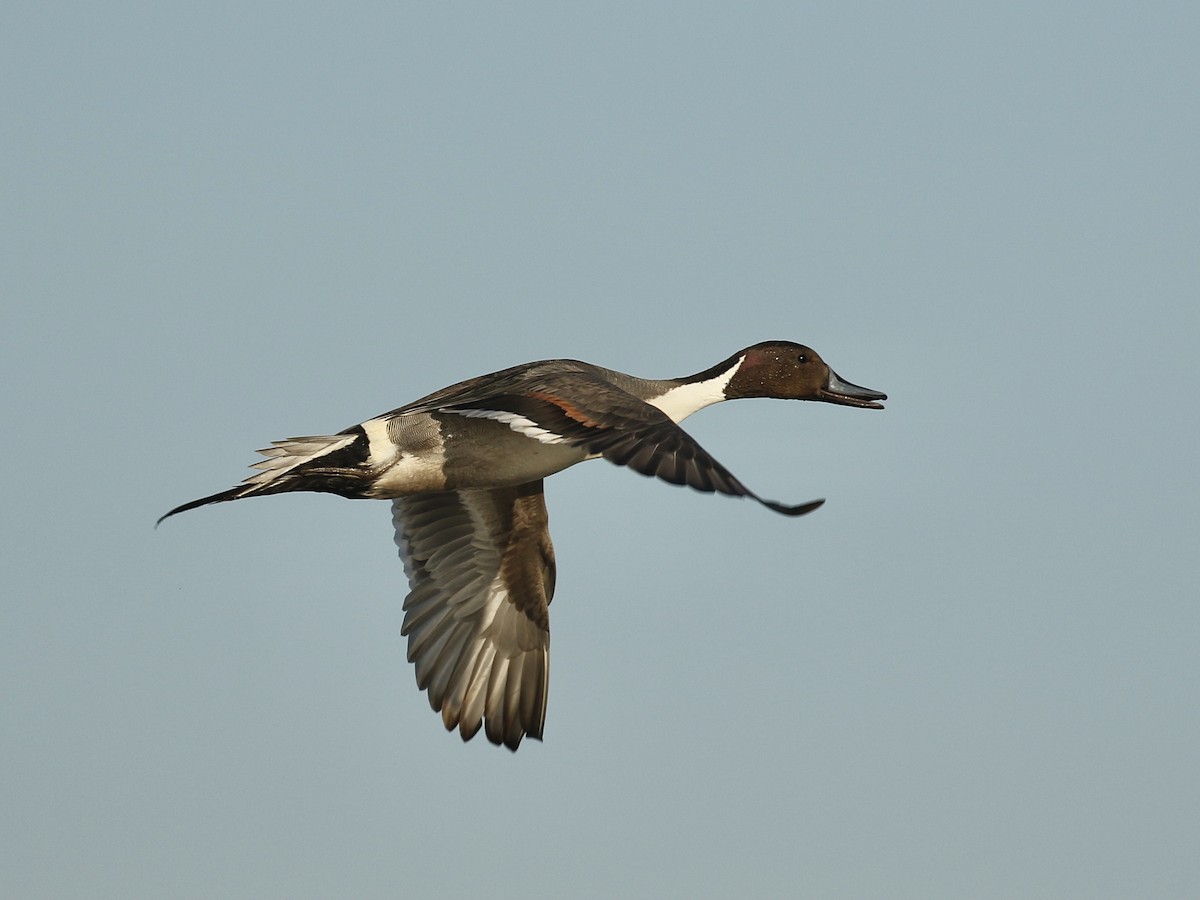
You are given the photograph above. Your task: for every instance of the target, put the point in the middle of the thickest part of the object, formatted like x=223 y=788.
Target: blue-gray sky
x=973 y=673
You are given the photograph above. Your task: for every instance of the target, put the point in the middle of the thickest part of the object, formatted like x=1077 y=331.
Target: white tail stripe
x=283 y=456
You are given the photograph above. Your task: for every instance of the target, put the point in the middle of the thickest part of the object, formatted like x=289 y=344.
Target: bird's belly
x=511 y=459
x=409 y=474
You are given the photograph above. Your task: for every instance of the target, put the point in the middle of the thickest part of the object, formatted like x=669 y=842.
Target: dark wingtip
x=799 y=510
x=231 y=494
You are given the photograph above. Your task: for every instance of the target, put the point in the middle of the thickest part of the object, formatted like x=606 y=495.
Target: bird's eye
x=802 y=358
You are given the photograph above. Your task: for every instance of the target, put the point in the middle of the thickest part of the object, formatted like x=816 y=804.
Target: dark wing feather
x=481 y=570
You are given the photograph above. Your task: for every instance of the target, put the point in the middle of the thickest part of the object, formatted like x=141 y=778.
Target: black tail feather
x=335 y=464
x=231 y=494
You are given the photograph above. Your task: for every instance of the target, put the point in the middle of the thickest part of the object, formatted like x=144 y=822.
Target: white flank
x=383 y=448
x=680 y=402
x=519 y=424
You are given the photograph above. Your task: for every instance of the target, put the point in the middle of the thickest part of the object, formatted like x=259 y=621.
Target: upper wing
x=622 y=428
x=481 y=568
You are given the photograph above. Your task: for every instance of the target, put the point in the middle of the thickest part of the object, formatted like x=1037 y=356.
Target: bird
x=464 y=469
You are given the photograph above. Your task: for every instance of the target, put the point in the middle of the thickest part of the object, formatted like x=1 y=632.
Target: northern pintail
x=463 y=468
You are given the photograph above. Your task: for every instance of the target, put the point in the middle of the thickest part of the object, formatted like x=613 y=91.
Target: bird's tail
x=329 y=463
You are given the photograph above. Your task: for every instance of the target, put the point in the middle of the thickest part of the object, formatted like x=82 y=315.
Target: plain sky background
x=975 y=673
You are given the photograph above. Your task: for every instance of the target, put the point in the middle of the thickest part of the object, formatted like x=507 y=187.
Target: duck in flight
x=464 y=467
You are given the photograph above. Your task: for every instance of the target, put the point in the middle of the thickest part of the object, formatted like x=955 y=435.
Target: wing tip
x=800 y=509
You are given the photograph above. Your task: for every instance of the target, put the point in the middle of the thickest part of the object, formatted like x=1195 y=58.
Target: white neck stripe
x=681 y=401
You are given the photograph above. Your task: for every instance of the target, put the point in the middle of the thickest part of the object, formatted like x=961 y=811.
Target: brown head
x=789 y=371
